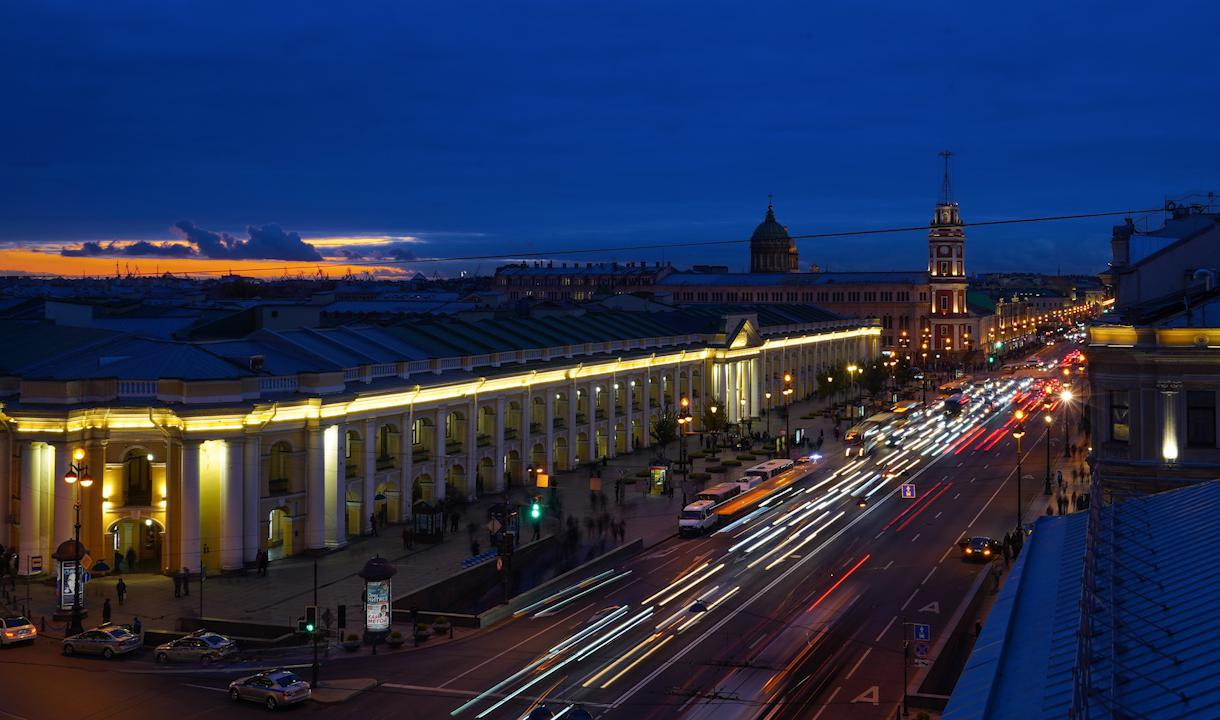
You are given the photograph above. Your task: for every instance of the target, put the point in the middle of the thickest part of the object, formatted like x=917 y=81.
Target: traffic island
x=331 y=692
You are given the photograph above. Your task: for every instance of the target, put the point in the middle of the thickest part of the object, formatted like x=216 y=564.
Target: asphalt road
x=799 y=611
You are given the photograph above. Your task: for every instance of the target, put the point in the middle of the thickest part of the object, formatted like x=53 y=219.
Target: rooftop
x=912 y=277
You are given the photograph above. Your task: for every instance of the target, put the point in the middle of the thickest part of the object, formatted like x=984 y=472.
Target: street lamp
x=1046 y=416
x=766 y=411
x=1066 y=397
x=1018 y=432
x=77 y=475
x=715 y=436
x=787 y=393
x=684 y=420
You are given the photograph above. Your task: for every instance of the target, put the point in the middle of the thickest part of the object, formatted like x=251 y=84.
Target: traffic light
x=311 y=618
x=990 y=359
x=536 y=508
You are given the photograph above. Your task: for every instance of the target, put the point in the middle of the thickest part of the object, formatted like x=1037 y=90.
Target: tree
x=713 y=422
x=873 y=377
x=831 y=380
x=665 y=428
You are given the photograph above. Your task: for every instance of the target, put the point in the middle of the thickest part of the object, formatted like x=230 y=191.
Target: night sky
x=444 y=129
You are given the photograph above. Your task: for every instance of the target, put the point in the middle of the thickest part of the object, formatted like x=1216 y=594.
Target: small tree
x=665 y=428
x=874 y=376
x=831 y=380
x=713 y=422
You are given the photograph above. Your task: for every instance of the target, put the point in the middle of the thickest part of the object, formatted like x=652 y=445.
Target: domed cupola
x=771 y=248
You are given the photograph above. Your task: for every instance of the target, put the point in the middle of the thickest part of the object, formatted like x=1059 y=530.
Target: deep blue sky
x=501 y=127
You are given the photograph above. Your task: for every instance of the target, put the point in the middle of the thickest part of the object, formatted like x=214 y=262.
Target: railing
x=137 y=388
x=283 y=383
x=479 y=360
x=450 y=363
x=419 y=366
x=483 y=440
x=351 y=374
x=453 y=448
x=510 y=433
x=384 y=370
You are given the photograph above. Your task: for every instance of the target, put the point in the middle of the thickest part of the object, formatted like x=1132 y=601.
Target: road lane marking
x=908 y=602
x=915 y=538
x=942 y=557
x=959 y=494
x=988 y=504
x=887 y=629
x=927 y=577
x=552 y=626
x=937 y=515
x=887 y=565
x=856 y=667
x=206 y=687
x=829 y=700
x=878 y=534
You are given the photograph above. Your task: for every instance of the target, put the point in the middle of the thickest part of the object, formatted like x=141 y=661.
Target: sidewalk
x=281 y=596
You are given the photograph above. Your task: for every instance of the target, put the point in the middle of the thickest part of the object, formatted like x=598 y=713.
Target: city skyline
x=584 y=128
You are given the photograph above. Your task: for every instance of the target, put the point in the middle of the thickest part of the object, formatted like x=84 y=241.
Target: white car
x=16 y=629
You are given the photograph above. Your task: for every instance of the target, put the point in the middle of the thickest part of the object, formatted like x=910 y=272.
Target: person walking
x=137 y=627
x=406 y=539
x=373 y=524
x=106 y=611
x=120 y=590
x=177 y=585
x=186 y=582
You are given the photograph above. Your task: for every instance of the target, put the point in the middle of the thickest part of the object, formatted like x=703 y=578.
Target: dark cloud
x=140 y=248
x=395 y=250
x=266 y=242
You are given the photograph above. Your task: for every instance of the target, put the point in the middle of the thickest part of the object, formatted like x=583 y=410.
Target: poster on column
x=67 y=584
x=377 y=609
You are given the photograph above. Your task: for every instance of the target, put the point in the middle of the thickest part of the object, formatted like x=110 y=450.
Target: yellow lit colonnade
x=211 y=472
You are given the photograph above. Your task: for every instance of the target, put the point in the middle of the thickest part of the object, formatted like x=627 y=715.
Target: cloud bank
x=264 y=242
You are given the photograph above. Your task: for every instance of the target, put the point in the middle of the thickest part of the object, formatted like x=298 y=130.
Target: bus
x=907 y=408
x=955 y=403
x=765 y=471
x=701 y=514
x=719 y=493
x=949 y=389
x=863 y=438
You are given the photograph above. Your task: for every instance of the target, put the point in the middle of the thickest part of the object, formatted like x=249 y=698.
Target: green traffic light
x=309 y=628
x=535 y=511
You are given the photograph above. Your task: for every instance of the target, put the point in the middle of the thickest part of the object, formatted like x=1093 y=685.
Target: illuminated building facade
x=289 y=440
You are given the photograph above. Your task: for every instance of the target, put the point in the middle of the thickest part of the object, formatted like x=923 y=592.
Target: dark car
x=202 y=646
x=980 y=548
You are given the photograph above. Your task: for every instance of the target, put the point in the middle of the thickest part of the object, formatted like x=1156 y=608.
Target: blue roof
x=1153 y=653
x=904 y=277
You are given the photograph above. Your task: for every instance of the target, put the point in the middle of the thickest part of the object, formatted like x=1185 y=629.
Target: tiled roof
x=1154 y=620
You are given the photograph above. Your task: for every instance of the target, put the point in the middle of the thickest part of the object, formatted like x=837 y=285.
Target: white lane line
x=829 y=700
x=856 y=667
x=958 y=495
x=908 y=602
x=552 y=626
x=937 y=516
x=988 y=503
x=961 y=464
x=887 y=565
x=942 y=557
x=887 y=629
x=915 y=538
x=927 y=577
x=201 y=687
x=878 y=534
x=985 y=466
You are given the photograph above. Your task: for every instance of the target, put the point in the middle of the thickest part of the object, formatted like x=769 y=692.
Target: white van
x=697 y=518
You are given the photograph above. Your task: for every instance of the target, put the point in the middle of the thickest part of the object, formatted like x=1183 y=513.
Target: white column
x=549 y=422
x=646 y=430
x=497 y=465
x=62 y=507
x=368 y=485
x=676 y=387
x=231 y=496
x=438 y=480
x=572 y=422
x=472 y=449
x=6 y=485
x=593 y=423
x=611 y=415
x=334 y=442
x=406 y=482
x=315 y=472
x=252 y=492
x=29 y=508
x=188 y=505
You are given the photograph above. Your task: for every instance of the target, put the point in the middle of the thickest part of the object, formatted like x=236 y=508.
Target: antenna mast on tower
x=946 y=190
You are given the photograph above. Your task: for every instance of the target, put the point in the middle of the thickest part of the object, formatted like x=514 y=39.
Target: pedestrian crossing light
x=311 y=618
x=991 y=359
x=536 y=509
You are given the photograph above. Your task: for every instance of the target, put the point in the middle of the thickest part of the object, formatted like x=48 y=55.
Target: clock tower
x=948 y=316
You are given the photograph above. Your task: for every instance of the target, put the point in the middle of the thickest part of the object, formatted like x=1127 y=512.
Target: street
x=798 y=610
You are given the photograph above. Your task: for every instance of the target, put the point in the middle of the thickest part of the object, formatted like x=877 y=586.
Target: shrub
x=748 y=457
x=700 y=476
x=697 y=455
x=396 y=635
x=731 y=463
x=716 y=468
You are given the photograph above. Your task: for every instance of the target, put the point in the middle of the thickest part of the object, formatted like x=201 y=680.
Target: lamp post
x=715 y=435
x=1018 y=432
x=1066 y=397
x=766 y=412
x=1046 y=415
x=77 y=471
x=684 y=419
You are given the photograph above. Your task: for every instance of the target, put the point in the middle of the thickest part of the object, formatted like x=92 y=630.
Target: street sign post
x=921 y=650
x=908 y=491
x=922 y=632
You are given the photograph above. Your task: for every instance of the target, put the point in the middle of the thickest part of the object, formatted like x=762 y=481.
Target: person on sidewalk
x=137 y=627
x=131 y=559
x=118 y=562
x=106 y=611
x=373 y=524
x=406 y=539
x=186 y=582
x=177 y=585
x=121 y=591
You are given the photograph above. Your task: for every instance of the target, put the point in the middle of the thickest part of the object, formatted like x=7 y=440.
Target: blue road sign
x=923 y=631
x=908 y=491
x=921 y=650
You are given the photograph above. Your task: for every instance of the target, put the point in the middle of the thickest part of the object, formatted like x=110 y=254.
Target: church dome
x=770 y=231
x=771 y=248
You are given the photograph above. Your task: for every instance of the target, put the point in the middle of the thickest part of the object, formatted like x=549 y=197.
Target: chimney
x=1120 y=243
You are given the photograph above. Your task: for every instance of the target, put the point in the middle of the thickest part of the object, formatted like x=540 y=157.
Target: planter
x=441 y=629
x=351 y=643
x=395 y=640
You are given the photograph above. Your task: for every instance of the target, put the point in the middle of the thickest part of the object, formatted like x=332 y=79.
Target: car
x=202 y=645
x=980 y=548
x=16 y=629
x=272 y=688
x=106 y=641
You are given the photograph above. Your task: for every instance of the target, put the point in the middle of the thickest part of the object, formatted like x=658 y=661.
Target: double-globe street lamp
x=684 y=420
x=766 y=411
x=78 y=476
x=1018 y=432
x=787 y=393
x=1066 y=397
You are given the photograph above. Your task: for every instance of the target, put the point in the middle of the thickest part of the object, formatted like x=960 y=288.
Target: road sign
x=908 y=491
x=493 y=526
x=922 y=631
x=35 y=564
x=921 y=650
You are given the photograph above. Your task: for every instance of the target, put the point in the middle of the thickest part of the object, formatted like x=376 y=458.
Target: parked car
x=200 y=646
x=980 y=548
x=106 y=641
x=271 y=688
x=16 y=629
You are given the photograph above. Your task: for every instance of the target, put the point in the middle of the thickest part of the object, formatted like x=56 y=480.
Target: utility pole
x=314 y=682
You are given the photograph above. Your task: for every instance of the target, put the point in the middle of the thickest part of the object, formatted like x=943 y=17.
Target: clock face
x=943 y=251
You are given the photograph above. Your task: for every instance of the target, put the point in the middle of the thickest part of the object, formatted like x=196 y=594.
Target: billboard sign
x=377 y=609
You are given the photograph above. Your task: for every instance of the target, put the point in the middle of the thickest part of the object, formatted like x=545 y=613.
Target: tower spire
x=946 y=190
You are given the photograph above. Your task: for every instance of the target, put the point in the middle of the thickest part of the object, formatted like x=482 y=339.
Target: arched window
x=280 y=468
x=137 y=478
